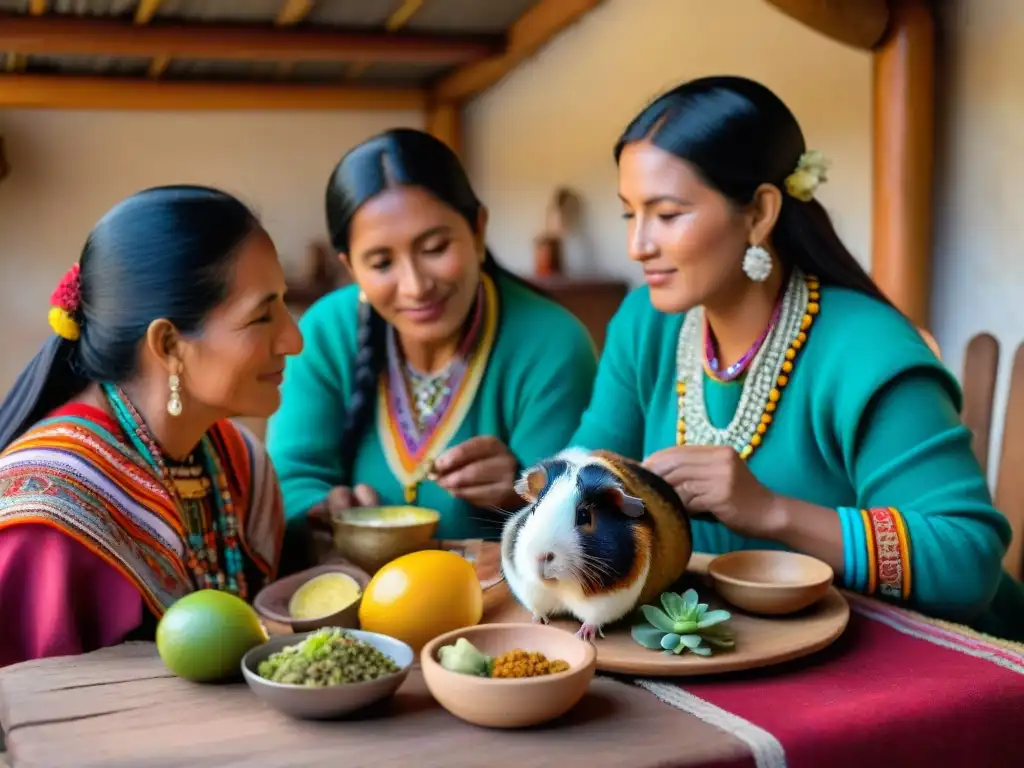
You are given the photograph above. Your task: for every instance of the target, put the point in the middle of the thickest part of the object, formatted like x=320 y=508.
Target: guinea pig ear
x=531 y=483
x=630 y=506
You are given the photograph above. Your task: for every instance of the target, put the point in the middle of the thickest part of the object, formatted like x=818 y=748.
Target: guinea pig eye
x=584 y=516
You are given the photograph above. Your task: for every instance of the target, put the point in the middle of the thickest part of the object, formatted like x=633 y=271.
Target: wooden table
x=120 y=708
x=895 y=689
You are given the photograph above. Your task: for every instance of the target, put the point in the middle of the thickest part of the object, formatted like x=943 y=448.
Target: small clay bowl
x=511 y=702
x=371 y=537
x=328 y=702
x=271 y=602
x=770 y=582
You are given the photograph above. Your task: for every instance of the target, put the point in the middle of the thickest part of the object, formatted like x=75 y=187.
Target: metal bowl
x=371 y=537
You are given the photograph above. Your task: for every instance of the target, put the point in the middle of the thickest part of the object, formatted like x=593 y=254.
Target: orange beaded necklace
x=764 y=383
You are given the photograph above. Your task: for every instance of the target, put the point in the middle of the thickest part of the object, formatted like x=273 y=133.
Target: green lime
x=204 y=635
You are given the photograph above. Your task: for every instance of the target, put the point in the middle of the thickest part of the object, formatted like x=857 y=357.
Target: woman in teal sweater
x=763 y=374
x=438 y=375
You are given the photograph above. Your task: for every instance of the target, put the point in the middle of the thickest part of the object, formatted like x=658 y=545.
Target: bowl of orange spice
x=508 y=675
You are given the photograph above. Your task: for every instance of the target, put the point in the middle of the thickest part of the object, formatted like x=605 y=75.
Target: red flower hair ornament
x=64 y=304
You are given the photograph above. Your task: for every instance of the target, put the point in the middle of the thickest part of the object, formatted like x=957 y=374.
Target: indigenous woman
x=762 y=373
x=123 y=485
x=437 y=375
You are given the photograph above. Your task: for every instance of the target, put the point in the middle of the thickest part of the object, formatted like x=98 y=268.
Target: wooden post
x=444 y=122
x=904 y=125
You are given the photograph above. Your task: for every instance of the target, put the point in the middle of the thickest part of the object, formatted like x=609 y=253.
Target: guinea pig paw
x=538 y=619
x=589 y=632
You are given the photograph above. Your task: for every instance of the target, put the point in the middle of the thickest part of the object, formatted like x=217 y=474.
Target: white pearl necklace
x=760 y=382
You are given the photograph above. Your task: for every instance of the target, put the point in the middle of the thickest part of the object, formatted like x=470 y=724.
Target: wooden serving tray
x=760 y=641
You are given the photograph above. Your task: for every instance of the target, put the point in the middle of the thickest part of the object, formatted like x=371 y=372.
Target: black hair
x=397 y=157
x=164 y=252
x=738 y=135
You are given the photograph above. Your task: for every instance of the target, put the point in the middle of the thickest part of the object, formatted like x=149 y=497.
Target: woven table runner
x=896 y=689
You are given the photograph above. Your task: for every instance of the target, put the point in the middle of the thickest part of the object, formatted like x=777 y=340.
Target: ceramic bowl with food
x=324 y=688
x=770 y=582
x=276 y=601
x=371 y=537
x=471 y=693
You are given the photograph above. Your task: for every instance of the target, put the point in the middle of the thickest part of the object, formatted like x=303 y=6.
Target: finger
x=365 y=496
x=340 y=497
x=496 y=470
x=319 y=516
x=471 y=450
x=688 y=455
x=694 y=492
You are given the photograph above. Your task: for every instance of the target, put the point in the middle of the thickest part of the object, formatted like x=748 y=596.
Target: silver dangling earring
x=757 y=263
x=174 y=401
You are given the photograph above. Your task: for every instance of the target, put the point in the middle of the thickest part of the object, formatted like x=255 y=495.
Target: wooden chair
x=981 y=366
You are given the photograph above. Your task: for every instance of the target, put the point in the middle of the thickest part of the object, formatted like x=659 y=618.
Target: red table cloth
x=897 y=689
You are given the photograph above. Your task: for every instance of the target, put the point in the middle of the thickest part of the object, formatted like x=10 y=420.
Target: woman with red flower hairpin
x=123 y=483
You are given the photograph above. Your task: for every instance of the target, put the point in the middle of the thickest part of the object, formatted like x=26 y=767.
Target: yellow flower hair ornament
x=811 y=172
x=64 y=304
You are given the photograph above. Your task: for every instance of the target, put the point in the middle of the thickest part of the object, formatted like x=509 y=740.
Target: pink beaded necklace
x=711 y=364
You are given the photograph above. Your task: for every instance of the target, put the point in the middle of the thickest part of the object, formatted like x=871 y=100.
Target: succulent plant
x=685 y=624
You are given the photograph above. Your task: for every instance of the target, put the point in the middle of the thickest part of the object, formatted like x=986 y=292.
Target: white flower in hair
x=811 y=172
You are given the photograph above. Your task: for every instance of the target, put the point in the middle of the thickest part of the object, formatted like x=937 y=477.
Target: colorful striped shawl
x=74 y=471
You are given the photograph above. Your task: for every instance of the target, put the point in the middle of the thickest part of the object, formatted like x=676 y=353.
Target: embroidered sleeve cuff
x=888 y=553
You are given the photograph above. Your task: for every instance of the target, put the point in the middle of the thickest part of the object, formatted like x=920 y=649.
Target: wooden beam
x=398 y=19
x=531 y=31
x=144 y=13
x=444 y=122
x=56 y=92
x=292 y=12
x=904 y=126
x=16 y=62
x=858 y=23
x=146 y=10
x=106 y=37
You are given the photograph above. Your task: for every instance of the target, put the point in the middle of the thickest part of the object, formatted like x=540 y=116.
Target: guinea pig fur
x=581 y=546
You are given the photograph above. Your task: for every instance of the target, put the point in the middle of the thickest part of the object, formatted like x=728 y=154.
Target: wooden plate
x=760 y=641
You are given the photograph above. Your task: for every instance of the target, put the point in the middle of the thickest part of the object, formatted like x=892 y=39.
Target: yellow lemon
x=421 y=595
x=323 y=595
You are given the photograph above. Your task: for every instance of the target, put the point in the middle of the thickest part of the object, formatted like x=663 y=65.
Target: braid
x=370 y=358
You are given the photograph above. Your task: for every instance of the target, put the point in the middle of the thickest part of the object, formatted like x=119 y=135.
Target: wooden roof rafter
x=284 y=42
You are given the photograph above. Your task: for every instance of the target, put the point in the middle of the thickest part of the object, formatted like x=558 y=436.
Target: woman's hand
x=341 y=497
x=715 y=479
x=481 y=471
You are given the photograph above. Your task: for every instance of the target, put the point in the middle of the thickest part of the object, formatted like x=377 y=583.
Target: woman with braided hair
x=437 y=375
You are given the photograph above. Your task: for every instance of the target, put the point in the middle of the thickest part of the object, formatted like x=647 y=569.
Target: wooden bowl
x=271 y=602
x=371 y=537
x=504 y=702
x=332 y=701
x=770 y=582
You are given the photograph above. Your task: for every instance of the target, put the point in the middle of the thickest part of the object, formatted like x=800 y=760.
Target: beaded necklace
x=762 y=388
x=205 y=524
x=421 y=399
x=410 y=444
x=711 y=364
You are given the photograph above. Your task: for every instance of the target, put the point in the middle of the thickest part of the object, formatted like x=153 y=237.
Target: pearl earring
x=757 y=263
x=174 y=401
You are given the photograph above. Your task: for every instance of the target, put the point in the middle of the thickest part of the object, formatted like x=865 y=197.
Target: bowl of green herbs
x=328 y=673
